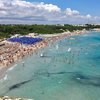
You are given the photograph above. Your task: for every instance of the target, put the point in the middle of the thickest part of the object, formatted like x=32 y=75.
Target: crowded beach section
x=11 y=52
x=16 y=48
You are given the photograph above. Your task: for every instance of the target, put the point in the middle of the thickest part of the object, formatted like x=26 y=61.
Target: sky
x=49 y=11
x=84 y=6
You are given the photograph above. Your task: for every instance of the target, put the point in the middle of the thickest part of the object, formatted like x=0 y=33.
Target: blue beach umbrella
x=25 y=40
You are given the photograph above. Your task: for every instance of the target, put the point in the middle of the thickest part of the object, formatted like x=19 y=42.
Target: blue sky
x=49 y=11
x=84 y=6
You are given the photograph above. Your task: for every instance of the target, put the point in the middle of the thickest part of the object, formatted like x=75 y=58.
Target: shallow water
x=69 y=70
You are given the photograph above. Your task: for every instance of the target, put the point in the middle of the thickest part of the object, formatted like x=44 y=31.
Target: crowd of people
x=11 y=52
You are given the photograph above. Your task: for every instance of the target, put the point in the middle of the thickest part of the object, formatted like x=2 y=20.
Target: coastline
x=34 y=48
x=13 y=98
x=22 y=50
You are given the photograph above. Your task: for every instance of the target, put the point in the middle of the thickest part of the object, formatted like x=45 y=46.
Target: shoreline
x=22 y=51
x=13 y=98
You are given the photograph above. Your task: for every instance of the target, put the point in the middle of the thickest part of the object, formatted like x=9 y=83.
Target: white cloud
x=88 y=16
x=70 y=12
x=48 y=7
x=14 y=11
x=3 y=13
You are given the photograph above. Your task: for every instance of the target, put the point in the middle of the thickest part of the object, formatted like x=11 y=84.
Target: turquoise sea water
x=69 y=70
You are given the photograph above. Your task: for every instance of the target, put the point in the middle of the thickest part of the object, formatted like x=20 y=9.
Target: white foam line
x=12 y=67
x=6 y=77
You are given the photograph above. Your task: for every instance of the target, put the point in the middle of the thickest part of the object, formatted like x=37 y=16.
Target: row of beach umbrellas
x=25 y=40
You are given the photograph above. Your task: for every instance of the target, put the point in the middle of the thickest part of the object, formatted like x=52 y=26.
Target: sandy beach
x=11 y=52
